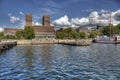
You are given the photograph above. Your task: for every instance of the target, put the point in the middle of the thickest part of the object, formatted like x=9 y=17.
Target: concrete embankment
x=4 y=45
x=80 y=42
x=36 y=42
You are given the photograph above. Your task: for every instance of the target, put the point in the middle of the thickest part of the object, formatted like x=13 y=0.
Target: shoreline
x=80 y=42
x=7 y=44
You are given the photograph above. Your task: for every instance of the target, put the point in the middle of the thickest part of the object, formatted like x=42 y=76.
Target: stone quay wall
x=5 y=45
x=55 y=41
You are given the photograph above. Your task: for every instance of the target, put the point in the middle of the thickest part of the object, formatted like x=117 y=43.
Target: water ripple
x=61 y=62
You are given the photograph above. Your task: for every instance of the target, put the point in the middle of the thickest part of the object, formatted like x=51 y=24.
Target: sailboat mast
x=110 y=24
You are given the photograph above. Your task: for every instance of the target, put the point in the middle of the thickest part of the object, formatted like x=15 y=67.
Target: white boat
x=107 y=40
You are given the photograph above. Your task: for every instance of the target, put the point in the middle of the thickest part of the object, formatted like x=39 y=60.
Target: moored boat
x=107 y=40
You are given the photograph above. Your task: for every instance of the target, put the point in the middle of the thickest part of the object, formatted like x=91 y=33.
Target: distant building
x=44 y=31
x=10 y=31
x=85 y=30
x=61 y=29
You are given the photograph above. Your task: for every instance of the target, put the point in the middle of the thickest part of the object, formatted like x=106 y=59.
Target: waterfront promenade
x=79 y=42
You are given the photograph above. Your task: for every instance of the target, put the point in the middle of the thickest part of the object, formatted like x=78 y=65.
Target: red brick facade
x=44 y=31
x=28 y=20
x=10 y=31
x=46 y=20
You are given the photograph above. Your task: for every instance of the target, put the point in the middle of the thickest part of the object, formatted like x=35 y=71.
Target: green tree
x=20 y=34
x=60 y=35
x=118 y=26
x=68 y=33
x=110 y=30
x=29 y=33
x=106 y=31
x=116 y=29
x=71 y=33
x=93 y=34
x=1 y=35
x=10 y=37
x=82 y=35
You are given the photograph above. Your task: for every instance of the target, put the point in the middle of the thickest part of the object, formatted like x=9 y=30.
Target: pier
x=5 y=45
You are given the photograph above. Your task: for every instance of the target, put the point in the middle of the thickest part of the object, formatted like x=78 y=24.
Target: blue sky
x=12 y=12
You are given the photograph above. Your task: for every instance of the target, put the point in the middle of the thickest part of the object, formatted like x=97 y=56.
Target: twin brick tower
x=44 y=31
x=46 y=20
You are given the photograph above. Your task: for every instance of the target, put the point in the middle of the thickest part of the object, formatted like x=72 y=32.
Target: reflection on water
x=46 y=56
x=29 y=56
x=61 y=62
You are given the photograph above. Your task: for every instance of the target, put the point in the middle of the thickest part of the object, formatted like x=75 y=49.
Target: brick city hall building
x=44 y=31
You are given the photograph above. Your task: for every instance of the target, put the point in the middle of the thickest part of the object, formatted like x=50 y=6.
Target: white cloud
x=63 y=21
x=36 y=23
x=87 y=10
x=94 y=18
x=78 y=22
x=9 y=14
x=116 y=15
x=21 y=13
x=102 y=19
x=22 y=24
x=1 y=29
x=36 y=17
x=104 y=11
x=14 y=19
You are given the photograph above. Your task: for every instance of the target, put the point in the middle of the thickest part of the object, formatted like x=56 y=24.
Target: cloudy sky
x=73 y=13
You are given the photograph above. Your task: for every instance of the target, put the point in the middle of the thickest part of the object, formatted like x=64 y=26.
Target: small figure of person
x=115 y=38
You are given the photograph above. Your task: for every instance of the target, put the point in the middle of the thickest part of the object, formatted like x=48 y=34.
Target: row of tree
x=106 y=30
x=113 y=30
x=71 y=33
x=27 y=33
